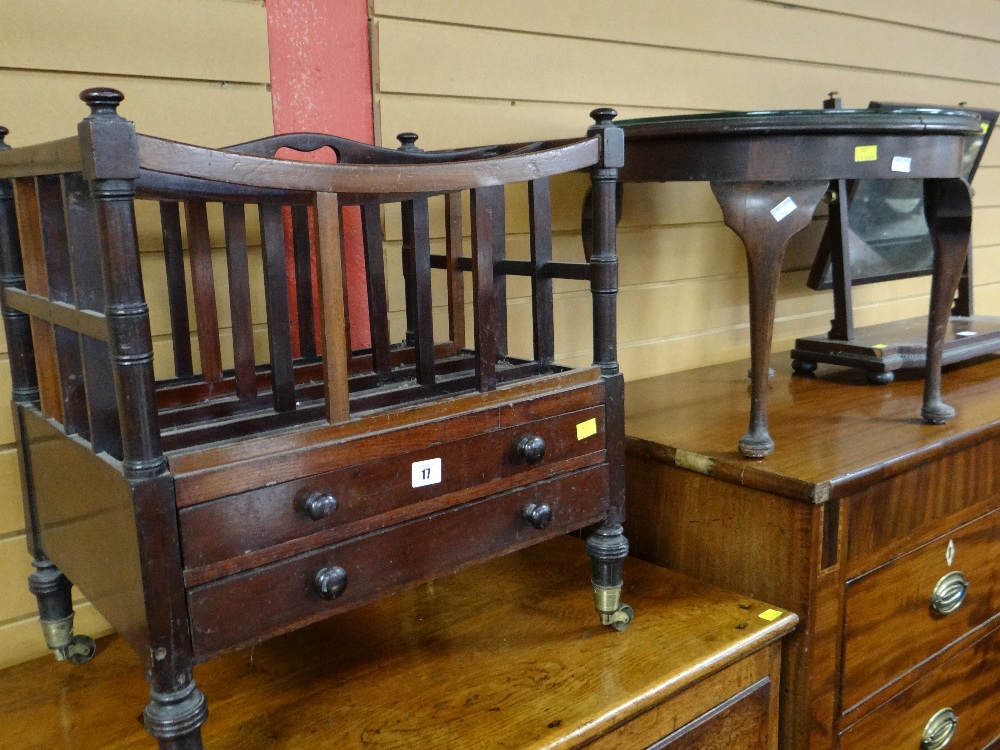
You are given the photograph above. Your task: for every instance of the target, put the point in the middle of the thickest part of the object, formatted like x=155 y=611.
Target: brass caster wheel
x=81 y=649
x=622 y=618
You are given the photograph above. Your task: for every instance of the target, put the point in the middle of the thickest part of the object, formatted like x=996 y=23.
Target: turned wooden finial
x=407 y=141
x=3 y=134
x=102 y=100
x=603 y=115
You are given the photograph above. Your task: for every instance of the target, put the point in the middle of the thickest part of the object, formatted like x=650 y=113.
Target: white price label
x=426 y=472
x=901 y=163
x=784 y=208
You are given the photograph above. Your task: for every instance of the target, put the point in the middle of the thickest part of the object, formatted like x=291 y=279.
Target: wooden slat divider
x=173 y=259
x=88 y=282
x=203 y=283
x=238 y=270
x=484 y=293
x=498 y=215
x=378 y=307
x=279 y=334
x=36 y=282
x=540 y=213
x=57 y=266
x=303 y=280
x=417 y=225
x=453 y=254
x=336 y=344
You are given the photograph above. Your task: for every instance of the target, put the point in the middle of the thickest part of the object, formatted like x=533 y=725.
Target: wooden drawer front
x=254 y=605
x=378 y=493
x=891 y=517
x=890 y=625
x=968 y=683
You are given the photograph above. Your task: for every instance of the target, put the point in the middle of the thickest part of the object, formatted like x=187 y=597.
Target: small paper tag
x=965 y=333
x=985 y=127
x=426 y=472
x=770 y=614
x=784 y=208
x=866 y=153
x=901 y=163
x=586 y=429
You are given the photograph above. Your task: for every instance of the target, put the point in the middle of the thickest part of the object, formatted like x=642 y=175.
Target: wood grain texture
x=421 y=670
x=966 y=683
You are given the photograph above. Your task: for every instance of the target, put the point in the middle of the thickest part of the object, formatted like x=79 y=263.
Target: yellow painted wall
x=191 y=70
x=462 y=73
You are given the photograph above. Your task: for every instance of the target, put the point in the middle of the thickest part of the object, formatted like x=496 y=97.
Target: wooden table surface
x=838 y=428
x=505 y=654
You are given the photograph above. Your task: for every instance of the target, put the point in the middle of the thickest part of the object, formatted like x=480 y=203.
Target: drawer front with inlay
x=378 y=493
x=903 y=613
x=954 y=707
x=249 y=606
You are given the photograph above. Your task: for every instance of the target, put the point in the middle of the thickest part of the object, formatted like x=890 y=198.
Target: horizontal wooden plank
x=200 y=112
x=6 y=416
x=505 y=65
x=736 y=28
x=22 y=639
x=190 y=39
x=972 y=18
x=11 y=508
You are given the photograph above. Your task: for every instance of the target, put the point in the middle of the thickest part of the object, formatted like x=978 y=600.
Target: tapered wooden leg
x=608 y=548
x=55 y=612
x=948 y=206
x=174 y=718
x=765 y=215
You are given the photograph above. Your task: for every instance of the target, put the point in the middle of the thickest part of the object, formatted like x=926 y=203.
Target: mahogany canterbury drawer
x=251 y=606
x=955 y=706
x=377 y=493
x=903 y=613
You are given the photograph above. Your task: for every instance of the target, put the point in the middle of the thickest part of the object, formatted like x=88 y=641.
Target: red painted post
x=321 y=82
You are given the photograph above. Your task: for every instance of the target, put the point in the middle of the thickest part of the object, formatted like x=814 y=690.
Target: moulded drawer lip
x=249 y=606
x=950 y=685
x=889 y=626
x=379 y=493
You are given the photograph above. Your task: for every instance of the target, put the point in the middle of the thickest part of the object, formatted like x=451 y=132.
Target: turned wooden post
x=110 y=159
x=17 y=324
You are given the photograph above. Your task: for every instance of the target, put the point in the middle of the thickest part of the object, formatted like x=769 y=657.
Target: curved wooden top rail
x=355 y=152
x=900 y=121
x=525 y=162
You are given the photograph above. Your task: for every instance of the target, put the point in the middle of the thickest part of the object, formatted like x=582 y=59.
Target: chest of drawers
x=500 y=655
x=883 y=534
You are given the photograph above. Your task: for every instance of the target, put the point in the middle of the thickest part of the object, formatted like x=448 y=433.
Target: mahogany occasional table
x=769 y=170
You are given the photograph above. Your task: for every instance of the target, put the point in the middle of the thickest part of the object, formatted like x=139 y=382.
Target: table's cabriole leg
x=948 y=206
x=765 y=216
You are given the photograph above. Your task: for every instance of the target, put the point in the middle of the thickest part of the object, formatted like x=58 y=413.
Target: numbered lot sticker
x=901 y=163
x=783 y=209
x=426 y=472
x=866 y=153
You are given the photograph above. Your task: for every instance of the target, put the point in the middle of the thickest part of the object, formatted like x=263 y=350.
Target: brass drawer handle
x=939 y=730
x=329 y=583
x=530 y=448
x=318 y=505
x=949 y=592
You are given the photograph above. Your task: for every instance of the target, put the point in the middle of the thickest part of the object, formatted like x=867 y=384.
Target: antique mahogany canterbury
x=221 y=506
x=769 y=170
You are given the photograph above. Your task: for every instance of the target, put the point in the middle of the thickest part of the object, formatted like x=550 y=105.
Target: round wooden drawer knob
x=538 y=516
x=530 y=448
x=330 y=582
x=949 y=592
x=939 y=730
x=319 y=505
